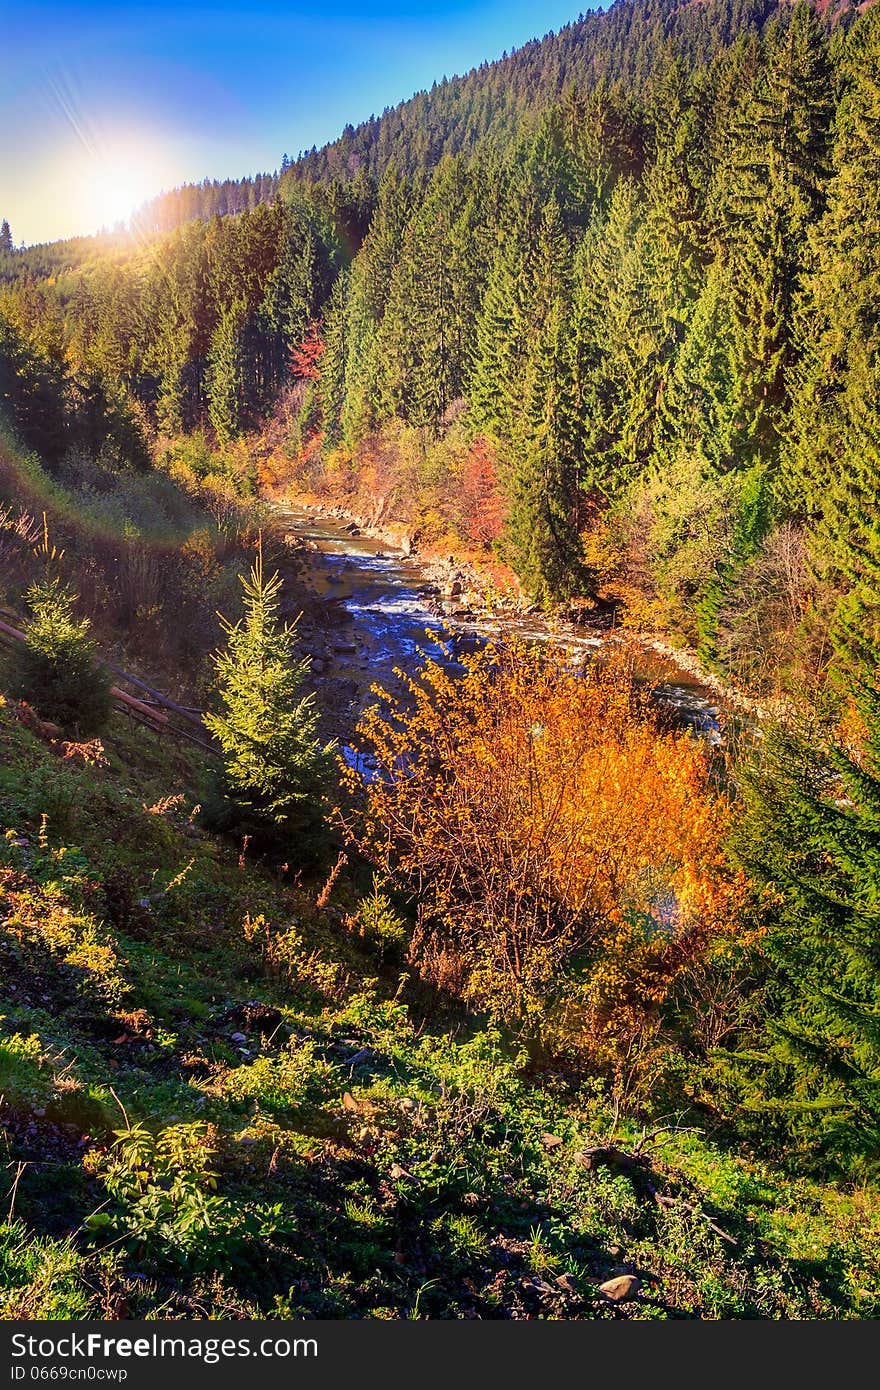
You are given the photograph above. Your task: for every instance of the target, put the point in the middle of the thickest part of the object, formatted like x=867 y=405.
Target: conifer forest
x=440 y=704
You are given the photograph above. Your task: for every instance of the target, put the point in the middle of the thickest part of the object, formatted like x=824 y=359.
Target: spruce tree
x=540 y=473
x=810 y=837
x=767 y=192
x=275 y=767
x=58 y=671
x=333 y=381
x=358 y=310
x=542 y=531
x=618 y=344
x=702 y=410
x=498 y=345
x=833 y=451
x=226 y=372
x=421 y=344
x=810 y=832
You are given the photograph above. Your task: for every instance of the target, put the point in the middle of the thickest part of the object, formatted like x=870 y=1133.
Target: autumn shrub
x=285 y=1082
x=50 y=794
x=482 y=506
x=565 y=851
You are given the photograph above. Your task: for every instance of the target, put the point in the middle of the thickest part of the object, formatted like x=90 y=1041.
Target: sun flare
x=114 y=191
x=112 y=183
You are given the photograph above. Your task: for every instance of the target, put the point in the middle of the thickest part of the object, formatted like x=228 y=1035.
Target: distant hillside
x=620 y=45
x=484 y=108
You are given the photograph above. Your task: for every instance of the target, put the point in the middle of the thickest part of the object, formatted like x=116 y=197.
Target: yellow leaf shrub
x=565 y=851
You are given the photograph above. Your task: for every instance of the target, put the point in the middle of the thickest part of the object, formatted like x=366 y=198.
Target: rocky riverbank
x=474 y=589
x=459 y=590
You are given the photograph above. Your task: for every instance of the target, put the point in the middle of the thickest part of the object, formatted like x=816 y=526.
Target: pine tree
x=810 y=836
x=767 y=191
x=542 y=532
x=33 y=395
x=499 y=343
x=361 y=311
x=541 y=477
x=421 y=344
x=810 y=833
x=620 y=352
x=6 y=244
x=57 y=670
x=332 y=382
x=275 y=767
x=226 y=368
x=833 y=453
x=702 y=411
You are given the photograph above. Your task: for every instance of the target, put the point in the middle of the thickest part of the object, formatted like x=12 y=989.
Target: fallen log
x=191 y=709
x=11 y=632
x=129 y=702
x=160 y=699
x=152 y=718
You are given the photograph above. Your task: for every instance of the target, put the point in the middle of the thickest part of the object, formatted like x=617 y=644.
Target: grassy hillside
x=220 y=1099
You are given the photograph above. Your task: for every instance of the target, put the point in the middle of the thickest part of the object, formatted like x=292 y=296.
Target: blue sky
x=103 y=104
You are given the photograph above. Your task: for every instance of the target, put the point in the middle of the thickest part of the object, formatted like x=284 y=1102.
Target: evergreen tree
x=33 y=395
x=294 y=293
x=421 y=345
x=226 y=367
x=810 y=836
x=811 y=829
x=702 y=411
x=542 y=531
x=275 y=767
x=367 y=289
x=833 y=453
x=767 y=192
x=6 y=244
x=57 y=670
x=619 y=347
x=332 y=381
x=499 y=341
x=541 y=477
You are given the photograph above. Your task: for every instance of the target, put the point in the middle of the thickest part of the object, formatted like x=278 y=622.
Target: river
x=389 y=618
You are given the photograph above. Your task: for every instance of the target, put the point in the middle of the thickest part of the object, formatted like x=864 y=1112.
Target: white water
x=394 y=622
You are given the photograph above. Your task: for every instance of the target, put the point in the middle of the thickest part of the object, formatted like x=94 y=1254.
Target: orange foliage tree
x=565 y=851
x=481 y=504
x=305 y=357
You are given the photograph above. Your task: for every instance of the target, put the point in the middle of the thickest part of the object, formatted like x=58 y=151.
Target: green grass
x=216 y=1101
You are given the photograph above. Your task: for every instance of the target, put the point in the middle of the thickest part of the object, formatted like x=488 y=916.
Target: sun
x=110 y=181
x=113 y=191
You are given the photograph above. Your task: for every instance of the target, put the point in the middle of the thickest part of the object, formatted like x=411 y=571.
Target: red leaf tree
x=305 y=357
x=483 y=508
